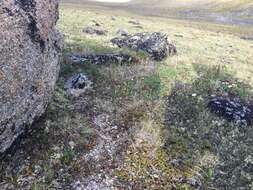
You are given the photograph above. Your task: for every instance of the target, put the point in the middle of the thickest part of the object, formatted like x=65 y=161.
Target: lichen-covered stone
x=77 y=84
x=29 y=63
x=101 y=59
x=154 y=44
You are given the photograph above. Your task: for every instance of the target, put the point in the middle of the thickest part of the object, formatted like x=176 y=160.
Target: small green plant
x=49 y=174
x=151 y=87
x=67 y=156
x=37 y=186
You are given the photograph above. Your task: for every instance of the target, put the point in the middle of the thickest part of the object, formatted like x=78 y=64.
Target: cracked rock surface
x=29 y=63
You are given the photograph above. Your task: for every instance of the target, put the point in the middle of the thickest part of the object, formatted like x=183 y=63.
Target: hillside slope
x=221 y=11
x=207 y=4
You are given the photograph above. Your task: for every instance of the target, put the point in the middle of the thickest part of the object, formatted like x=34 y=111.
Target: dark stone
x=195 y=182
x=247 y=37
x=231 y=110
x=79 y=81
x=155 y=44
x=78 y=84
x=96 y=23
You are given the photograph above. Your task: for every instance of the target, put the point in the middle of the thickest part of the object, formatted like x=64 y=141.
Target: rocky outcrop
x=29 y=63
x=154 y=44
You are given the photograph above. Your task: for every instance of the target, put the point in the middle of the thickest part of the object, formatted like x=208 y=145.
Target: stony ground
x=143 y=125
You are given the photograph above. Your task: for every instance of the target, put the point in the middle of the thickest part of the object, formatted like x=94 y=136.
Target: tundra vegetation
x=144 y=124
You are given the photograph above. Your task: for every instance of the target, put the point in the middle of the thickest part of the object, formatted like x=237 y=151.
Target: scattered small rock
x=179 y=163
x=179 y=35
x=231 y=110
x=72 y=144
x=101 y=59
x=155 y=44
x=91 y=30
x=96 y=23
x=113 y=18
x=195 y=182
x=122 y=32
x=78 y=84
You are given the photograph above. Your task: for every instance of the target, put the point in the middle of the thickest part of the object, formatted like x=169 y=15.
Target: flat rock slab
x=101 y=59
x=30 y=49
x=155 y=44
x=247 y=38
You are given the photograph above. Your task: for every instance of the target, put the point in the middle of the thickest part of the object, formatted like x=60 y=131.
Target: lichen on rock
x=156 y=44
x=77 y=85
x=30 y=47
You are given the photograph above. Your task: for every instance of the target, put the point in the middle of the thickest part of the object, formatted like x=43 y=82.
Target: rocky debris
x=195 y=182
x=122 y=32
x=97 y=182
x=77 y=85
x=155 y=44
x=92 y=31
x=29 y=63
x=232 y=110
x=247 y=37
x=113 y=18
x=111 y=143
x=101 y=59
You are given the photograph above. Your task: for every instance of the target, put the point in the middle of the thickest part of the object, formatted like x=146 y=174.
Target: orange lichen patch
x=92 y=141
x=28 y=171
x=2 y=76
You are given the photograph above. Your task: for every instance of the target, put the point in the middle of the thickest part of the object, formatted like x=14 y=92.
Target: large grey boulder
x=29 y=63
